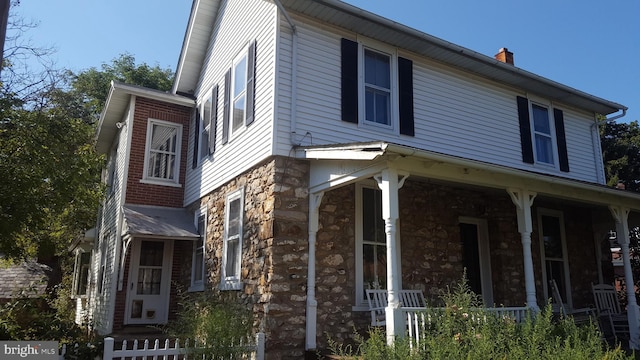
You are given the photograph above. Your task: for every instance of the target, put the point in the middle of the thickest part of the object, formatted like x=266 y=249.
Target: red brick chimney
x=505 y=56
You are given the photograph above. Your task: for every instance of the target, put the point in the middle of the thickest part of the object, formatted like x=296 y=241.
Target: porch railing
x=418 y=319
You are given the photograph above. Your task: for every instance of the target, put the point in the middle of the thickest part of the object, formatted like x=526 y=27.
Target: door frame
x=484 y=255
x=165 y=286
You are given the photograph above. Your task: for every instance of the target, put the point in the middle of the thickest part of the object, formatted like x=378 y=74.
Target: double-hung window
x=376 y=87
x=205 y=127
x=554 y=252
x=371 y=247
x=542 y=134
x=239 y=93
x=81 y=273
x=198 y=256
x=232 y=248
x=162 y=156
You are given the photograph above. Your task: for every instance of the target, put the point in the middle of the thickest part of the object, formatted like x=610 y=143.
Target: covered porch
x=513 y=230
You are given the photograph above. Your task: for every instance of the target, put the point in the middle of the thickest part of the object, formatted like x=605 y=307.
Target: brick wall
x=150 y=194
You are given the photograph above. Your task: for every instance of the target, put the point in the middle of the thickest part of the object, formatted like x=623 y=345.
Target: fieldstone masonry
x=275 y=249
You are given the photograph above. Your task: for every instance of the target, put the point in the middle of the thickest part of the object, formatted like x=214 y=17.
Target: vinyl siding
x=230 y=37
x=108 y=232
x=456 y=113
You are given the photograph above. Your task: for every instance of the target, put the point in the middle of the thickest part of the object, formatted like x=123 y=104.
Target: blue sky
x=590 y=45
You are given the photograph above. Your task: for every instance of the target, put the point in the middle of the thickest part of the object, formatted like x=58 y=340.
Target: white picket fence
x=165 y=351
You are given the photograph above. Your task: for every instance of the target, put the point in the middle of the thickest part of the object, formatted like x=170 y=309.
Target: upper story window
x=162 y=156
x=542 y=135
x=376 y=87
x=239 y=93
x=205 y=127
x=232 y=247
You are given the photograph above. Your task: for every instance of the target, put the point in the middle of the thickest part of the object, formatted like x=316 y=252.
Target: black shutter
x=349 y=82
x=525 y=130
x=213 y=121
x=196 y=136
x=405 y=83
x=227 y=107
x=251 y=83
x=561 y=140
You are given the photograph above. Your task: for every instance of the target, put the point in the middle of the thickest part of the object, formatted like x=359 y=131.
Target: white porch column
x=389 y=183
x=312 y=303
x=523 y=199
x=621 y=215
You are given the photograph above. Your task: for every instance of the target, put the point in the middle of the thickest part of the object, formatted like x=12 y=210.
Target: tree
x=621 y=153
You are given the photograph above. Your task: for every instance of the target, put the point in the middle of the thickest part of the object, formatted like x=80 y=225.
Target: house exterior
x=310 y=150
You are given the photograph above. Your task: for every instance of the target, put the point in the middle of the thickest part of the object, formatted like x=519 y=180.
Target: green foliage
x=93 y=84
x=621 y=153
x=462 y=330
x=215 y=322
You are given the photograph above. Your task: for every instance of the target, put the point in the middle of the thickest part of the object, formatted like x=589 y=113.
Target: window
x=162 y=157
x=205 y=127
x=554 y=252
x=232 y=250
x=542 y=134
x=376 y=87
x=371 y=248
x=543 y=143
x=239 y=93
x=81 y=274
x=198 y=256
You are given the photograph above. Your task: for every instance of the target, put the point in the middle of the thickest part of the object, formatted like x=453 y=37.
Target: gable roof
x=117 y=104
x=338 y=13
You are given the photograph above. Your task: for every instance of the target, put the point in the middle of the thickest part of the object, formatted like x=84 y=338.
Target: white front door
x=149 y=280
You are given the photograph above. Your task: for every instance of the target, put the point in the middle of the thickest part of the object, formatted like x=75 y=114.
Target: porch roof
x=369 y=157
x=159 y=222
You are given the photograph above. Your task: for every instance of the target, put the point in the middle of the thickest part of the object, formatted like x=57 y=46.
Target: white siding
x=101 y=303
x=456 y=113
x=240 y=23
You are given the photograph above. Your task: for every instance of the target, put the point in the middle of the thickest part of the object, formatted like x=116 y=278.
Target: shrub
x=217 y=325
x=462 y=329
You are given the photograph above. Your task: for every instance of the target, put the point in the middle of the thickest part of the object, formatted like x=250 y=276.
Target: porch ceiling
x=342 y=164
x=159 y=222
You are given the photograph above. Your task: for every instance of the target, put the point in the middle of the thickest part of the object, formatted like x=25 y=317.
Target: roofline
x=185 y=45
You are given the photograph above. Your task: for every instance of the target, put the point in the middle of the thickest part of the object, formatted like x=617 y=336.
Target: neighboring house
x=310 y=150
x=29 y=279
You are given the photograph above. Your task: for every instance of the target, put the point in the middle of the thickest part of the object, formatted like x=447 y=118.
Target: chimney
x=505 y=56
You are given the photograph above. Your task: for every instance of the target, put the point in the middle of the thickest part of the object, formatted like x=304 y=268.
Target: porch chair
x=609 y=310
x=377 y=300
x=580 y=315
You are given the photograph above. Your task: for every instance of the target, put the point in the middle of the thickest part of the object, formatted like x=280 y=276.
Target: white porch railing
x=166 y=351
x=418 y=318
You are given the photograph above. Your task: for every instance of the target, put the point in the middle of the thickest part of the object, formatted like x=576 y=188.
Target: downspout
x=294 y=73
x=597 y=146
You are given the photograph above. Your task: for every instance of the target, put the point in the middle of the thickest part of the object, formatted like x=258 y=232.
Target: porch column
x=389 y=184
x=312 y=303
x=621 y=215
x=523 y=199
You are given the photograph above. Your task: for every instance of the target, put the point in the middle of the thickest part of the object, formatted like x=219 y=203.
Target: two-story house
x=310 y=150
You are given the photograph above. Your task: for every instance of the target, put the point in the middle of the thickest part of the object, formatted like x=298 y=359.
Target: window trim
x=79 y=268
x=552 y=133
x=360 y=299
x=233 y=282
x=394 y=112
x=565 y=256
x=200 y=244
x=243 y=55
x=203 y=143
x=147 y=154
